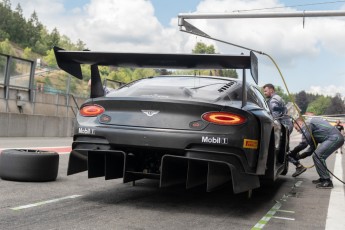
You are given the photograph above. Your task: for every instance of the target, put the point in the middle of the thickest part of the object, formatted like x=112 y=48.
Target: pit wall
x=46 y=115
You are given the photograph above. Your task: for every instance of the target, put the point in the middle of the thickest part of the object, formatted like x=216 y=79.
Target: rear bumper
x=173 y=142
x=194 y=169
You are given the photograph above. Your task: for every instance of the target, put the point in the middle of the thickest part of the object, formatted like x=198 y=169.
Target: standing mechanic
x=279 y=112
x=327 y=140
x=277 y=106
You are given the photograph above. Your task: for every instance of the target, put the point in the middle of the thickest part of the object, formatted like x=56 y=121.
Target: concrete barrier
x=26 y=125
x=47 y=115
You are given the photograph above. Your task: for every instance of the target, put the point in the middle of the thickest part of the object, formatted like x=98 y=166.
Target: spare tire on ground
x=28 y=165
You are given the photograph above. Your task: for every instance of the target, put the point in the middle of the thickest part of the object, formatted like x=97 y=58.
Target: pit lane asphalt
x=75 y=202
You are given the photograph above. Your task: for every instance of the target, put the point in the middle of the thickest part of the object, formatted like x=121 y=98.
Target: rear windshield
x=181 y=88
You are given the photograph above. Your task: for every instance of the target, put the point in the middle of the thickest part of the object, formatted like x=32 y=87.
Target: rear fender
x=271 y=159
x=284 y=145
x=265 y=134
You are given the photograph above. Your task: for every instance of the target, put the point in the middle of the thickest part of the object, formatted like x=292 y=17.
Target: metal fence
x=23 y=74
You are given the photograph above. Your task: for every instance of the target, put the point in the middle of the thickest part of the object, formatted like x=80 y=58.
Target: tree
x=6 y=4
x=229 y=73
x=302 y=101
x=80 y=45
x=50 y=58
x=6 y=48
x=5 y=19
x=142 y=73
x=53 y=38
x=66 y=43
x=202 y=48
x=337 y=105
x=163 y=72
x=27 y=53
x=319 y=105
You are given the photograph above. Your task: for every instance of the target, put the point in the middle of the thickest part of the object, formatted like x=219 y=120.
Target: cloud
x=284 y=38
x=330 y=90
x=122 y=24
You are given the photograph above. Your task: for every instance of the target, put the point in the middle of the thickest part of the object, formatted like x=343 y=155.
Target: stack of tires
x=28 y=165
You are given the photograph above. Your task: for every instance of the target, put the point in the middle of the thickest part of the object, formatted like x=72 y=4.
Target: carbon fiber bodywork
x=154 y=128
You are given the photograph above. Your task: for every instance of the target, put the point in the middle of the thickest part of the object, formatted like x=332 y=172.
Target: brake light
x=224 y=118
x=91 y=110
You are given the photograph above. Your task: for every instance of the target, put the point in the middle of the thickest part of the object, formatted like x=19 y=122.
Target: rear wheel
x=28 y=165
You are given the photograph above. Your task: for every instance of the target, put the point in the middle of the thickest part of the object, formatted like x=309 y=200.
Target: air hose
x=283 y=79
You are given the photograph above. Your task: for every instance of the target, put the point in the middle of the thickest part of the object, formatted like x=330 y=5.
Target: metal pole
x=7 y=77
x=332 y=13
x=32 y=81
x=68 y=92
x=244 y=88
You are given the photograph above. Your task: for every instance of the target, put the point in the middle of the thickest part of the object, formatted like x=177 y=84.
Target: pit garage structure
x=189 y=28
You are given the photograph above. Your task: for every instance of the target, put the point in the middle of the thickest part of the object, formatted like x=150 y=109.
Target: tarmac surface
x=75 y=202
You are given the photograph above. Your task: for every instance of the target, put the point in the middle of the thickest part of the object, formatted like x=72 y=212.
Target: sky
x=310 y=57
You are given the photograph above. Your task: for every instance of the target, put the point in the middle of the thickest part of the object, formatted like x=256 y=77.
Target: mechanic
x=277 y=106
x=340 y=127
x=279 y=112
x=327 y=138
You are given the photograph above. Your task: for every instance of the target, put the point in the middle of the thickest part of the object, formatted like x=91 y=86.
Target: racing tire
x=28 y=165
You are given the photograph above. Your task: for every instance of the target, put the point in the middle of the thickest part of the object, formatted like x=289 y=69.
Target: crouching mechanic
x=327 y=138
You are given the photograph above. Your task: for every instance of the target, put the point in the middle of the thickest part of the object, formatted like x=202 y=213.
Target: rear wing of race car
x=70 y=62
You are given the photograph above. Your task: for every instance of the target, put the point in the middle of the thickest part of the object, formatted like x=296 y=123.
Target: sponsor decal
x=86 y=131
x=214 y=140
x=250 y=144
x=150 y=113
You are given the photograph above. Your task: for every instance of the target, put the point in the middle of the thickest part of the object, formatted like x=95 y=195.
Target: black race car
x=192 y=130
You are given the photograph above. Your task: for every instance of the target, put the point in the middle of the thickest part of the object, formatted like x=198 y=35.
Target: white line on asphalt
x=283 y=218
x=264 y=220
x=336 y=209
x=44 y=202
x=285 y=211
x=276 y=208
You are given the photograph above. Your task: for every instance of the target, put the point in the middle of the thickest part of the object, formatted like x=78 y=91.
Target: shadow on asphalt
x=147 y=195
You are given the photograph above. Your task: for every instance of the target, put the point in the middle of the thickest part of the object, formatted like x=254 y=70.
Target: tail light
x=224 y=118
x=91 y=110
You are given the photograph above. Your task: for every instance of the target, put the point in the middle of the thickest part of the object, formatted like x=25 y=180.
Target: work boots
x=299 y=170
x=325 y=184
x=317 y=181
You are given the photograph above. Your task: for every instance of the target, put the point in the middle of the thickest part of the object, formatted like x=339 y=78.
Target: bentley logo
x=150 y=113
